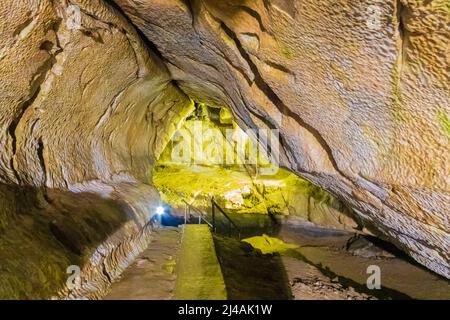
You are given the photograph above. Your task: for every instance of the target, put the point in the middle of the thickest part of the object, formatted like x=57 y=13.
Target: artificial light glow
x=234 y=198
x=160 y=211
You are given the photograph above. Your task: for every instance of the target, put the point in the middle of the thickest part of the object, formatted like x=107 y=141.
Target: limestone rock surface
x=358 y=89
x=85 y=109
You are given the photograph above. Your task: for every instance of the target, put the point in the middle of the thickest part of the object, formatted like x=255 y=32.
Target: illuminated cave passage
x=282 y=225
x=202 y=149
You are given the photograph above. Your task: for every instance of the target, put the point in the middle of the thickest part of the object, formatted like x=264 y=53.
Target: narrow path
x=152 y=275
x=199 y=273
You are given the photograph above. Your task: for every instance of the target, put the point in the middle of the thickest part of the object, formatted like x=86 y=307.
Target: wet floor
x=321 y=267
x=249 y=275
x=400 y=276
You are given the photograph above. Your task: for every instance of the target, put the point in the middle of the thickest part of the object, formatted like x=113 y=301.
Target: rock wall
x=358 y=90
x=46 y=235
x=87 y=104
x=85 y=109
x=80 y=103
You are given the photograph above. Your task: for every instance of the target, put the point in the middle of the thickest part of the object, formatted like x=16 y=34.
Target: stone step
x=199 y=276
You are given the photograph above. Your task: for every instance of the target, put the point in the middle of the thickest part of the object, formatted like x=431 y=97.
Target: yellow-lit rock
x=359 y=93
x=358 y=89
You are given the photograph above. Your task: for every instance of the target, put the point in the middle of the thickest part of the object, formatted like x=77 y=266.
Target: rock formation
x=92 y=90
x=84 y=109
x=358 y=90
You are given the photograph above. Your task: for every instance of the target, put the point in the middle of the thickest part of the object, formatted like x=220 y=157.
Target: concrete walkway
x=199 y=274
x=152 y=275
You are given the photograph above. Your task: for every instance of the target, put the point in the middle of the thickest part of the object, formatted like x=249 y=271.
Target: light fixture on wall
x=160 y=211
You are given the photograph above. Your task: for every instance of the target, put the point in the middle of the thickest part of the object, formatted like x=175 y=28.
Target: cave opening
x=275 y=223
x=211 y=157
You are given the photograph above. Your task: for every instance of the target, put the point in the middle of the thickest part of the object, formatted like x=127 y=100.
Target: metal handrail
x=215 y=205
x=201 y=215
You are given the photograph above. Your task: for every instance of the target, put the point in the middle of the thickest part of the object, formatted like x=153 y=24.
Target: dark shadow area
x=249 y=224
x=250 y=275
x=389 y=247
x=171 y=220
x=44 y=231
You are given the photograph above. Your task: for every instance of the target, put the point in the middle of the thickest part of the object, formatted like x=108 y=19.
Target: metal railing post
x=201 y=215
x=213 y=214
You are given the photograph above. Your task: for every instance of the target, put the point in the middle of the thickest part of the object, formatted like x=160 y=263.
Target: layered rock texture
x=85 y=110
x=357 y=89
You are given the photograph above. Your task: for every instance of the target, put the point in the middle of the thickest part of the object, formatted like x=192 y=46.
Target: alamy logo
x=374 y=280
x=73 y=21
x=195 y=144
x=373 y=21
x=74 y=280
